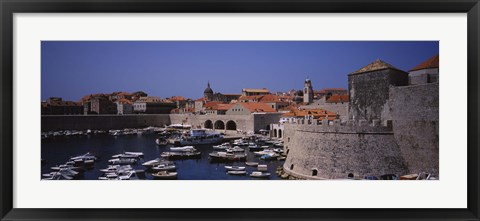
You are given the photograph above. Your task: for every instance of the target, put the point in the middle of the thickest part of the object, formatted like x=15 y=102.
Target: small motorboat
x=184 y=148
x=138 y=154
x=161 y=141
x=252 y=164
x=165 y=167
x=181 y=155
x=258 y=174
x=122 y=161
x=225 y=157
x=151 y=163
x=263 y=152
x=272 y=156
x=235 y=168
x=262 y=167
x=235 y=149
x=235 y=172
x=223 y=146
x=165 y=175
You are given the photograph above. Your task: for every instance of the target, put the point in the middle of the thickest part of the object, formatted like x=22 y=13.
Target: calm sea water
x=58 y=150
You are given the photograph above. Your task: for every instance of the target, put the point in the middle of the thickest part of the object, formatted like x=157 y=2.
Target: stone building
x=152 y=105
x=124 y=106
x=99 y=104
x=308 y=92
x=57 y=106
x=426 y=72
x=253 y=92
x=209 y=95
x=369 y=87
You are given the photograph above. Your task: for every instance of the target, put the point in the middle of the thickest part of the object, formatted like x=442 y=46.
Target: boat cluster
x=241 y=170
x=71 y=169
x=237 y=150
x=126 y=131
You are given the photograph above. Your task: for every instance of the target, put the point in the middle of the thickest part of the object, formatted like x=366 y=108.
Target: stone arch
x=208 y=124
x=219 y=125
x=231 y=125
x=279 y=133
x=274 y=132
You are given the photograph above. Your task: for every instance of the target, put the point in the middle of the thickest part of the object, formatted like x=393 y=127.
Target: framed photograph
x=239 y=110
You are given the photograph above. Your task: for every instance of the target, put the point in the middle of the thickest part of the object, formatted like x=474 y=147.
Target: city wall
x=335 y=150
x=102 y=122
x=415 y=116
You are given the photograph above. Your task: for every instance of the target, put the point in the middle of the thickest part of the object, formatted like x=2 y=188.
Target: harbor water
x=58 y=150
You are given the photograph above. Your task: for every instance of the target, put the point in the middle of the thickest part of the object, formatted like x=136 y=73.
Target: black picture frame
x=9 y=7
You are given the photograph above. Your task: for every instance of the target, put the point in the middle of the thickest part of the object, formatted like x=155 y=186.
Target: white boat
x=235 y=168
x=116 y=168
x=258 y=174
x=264 y=152
x=165 y=175
x=262 y=167
x=235 y=149
x=138 y=154
x=199 y=137
x=122 y=161
x=253 y=164
x=184 y=148
x=84 y=157
x=235 y=172
x=165 y=167
x=124 y=156
x=222 y=146
x=152 y=163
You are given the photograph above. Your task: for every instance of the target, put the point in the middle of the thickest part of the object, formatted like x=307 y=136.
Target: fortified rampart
x=415 y=115
x=323 y=150
x=102 y=122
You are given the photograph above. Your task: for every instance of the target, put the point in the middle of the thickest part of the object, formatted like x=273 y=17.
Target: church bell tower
x=308 y=92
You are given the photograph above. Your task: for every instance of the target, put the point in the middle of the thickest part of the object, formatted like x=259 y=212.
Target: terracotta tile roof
x=177 y=98
x=374 y=66
x=223 y=107
x=257 y=107
x=125 y=101
x=263 y=90
x=211 y=104
x=201 y=99
x=430 y=63
x=338 y=98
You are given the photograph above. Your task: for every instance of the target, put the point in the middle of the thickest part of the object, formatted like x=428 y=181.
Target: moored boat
x=199 y=137
x=258 y=174
x=167 y=166
x=235 y=168
x=184 y=148
x=224 y=156
x=252 y=164
x=165 y=175
x=181 y=155
x=237 y=172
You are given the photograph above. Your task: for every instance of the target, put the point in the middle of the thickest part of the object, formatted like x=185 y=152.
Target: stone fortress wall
x=392 y=128
x=406 y=143
x=102 y=122
x=323 y=150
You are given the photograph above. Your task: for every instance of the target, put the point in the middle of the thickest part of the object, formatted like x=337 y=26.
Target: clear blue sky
x=72 y=69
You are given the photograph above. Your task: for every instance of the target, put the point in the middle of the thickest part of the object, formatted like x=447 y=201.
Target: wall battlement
x=338 y=126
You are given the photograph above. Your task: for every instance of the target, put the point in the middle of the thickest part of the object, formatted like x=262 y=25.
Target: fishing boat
x=258 y=174
x=235 y=172
x=252 y=164
x=199 y=137
x=165 y=175
x=236 y=168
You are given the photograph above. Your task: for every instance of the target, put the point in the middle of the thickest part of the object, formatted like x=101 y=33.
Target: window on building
x=291 y=167
x=314 y=172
